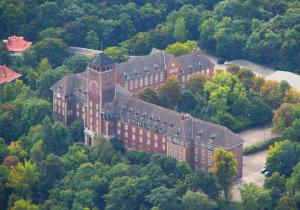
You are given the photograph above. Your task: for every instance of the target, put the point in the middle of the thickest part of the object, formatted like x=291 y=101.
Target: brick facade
x=95 y=96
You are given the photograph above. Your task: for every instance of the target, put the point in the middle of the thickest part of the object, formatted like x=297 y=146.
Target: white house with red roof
x=16 y=45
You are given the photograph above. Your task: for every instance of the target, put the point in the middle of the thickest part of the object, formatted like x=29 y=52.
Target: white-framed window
x=91 y=112
x=136 y=83
x=151 y=79
x=77 y=105
x=126 y=134
x=163 y=147
x=183 y=78
x=126 y=127
x=77 y=113
x=161 y=76
x=118 y=124
x=156 y=77
x=63 y=112
x=146 y=80
x=148 y=141
x=141 y=82
x=133 y=129
x=63 y=104
x=131 y=85
x=91 y=104
x=126 y=85
x=148 y=134
x=141 y=139
x=141 y=132
x=133 y=137
x=155 y=137
x=155 y=144
x=97 y=106
x=119 y=131
x=97 y=122
x=163 y=139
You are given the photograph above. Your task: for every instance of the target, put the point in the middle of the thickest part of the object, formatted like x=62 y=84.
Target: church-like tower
x=101 y=77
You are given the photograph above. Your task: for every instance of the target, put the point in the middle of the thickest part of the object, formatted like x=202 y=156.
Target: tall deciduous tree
x=164 y=198
x=255 y=197
x=53 y=49
x=22 y=177
x=282 y=157
x=24 y=205
x=179 y=30
x=118 y=54
x=187 y=102
x=4 y=54
x=197 y=201
x=172 y=89
x=149 y=95
x=224 y=168
x=92 y=40
x=196 y=83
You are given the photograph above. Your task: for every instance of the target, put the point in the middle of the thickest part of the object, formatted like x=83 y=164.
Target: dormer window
x=145 y=114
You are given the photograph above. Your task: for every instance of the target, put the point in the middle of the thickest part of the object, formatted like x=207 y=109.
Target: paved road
x=255 y=135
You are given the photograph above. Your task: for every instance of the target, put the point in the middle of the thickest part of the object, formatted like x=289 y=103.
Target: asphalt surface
x=252 y=164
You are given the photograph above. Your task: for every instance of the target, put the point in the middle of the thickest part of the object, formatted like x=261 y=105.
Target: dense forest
x=266 y=31
x=45 y=165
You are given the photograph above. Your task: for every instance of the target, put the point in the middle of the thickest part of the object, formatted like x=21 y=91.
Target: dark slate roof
x=73 y=84
x=102 y=60
x=194 y=62
x=142 y=65
x=171 y=122
x=136 y=109
x=204 y=131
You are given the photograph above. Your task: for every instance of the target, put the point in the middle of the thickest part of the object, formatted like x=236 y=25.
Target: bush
x=260 y=146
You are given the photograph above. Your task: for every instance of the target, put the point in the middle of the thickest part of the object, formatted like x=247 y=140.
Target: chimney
x=196 y=51
x=184 y=116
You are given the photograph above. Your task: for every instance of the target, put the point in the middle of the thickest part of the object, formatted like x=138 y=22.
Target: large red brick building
x=102 y=97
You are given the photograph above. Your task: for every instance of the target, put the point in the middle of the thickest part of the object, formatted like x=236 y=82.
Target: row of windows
x=91 y=105
x=59 y=102
x=141 y=131
x=144 y=81
x=140 y=139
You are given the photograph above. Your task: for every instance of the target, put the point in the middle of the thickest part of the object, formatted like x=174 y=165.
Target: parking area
x=252 y=164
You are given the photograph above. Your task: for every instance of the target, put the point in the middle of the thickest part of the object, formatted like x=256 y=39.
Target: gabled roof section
x=102 y=60
x=194 y=62
x=17 y=44
x=8 y=75
x=204 y=131
x=143 y=65
x=75 y=84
